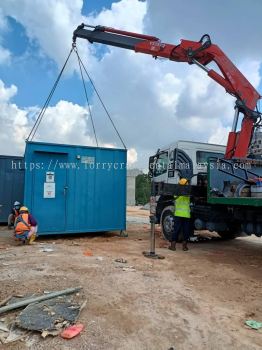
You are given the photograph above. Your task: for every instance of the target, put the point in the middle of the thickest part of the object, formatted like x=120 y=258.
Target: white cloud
x=126 y=14
x=155 y=103
x=49 y=23
x=131 y=156
x=223 y=20
x=13 y=123
x=7 y=93
x=219 y=135
x=63 y=123
x=3 y=22
x=251 y=70
x=5 y=55
x=168 y=89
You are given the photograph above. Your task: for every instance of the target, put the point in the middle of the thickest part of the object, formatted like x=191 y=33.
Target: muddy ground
x=198 y=299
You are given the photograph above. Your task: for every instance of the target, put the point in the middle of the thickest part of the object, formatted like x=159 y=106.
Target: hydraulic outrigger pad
x=152 y=254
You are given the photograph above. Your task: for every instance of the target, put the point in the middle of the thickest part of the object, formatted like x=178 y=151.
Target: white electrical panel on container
x=49 y=190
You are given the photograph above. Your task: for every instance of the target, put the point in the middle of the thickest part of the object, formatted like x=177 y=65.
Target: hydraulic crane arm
x=200 y=53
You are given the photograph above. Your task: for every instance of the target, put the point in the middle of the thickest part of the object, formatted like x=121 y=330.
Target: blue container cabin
x=73 y=189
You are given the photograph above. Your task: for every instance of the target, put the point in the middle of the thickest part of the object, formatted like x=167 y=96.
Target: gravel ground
x=198 y=299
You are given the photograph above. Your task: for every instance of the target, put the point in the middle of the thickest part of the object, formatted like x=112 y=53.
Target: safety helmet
x=183 y=181
x=22 y=209
x=16 y=204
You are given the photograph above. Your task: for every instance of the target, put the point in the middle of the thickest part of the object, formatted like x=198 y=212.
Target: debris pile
x=52 y=313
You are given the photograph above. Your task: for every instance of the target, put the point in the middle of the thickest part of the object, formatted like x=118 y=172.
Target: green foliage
x=143 y=186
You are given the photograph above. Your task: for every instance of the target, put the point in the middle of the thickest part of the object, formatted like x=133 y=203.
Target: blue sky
x=163 y=100
x=95 y=6
x=34 y=73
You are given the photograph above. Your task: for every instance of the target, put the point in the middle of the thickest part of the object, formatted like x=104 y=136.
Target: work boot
x=184 y=246
x=32 y=238
x=172 y=245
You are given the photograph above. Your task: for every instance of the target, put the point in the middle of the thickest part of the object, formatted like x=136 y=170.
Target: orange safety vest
x=22 y=224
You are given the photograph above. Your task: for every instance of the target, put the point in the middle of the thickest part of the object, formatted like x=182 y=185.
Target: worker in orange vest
x=25 y=226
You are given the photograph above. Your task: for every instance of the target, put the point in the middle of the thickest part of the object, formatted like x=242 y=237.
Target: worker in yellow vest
x=25 y=226
x=182 y=218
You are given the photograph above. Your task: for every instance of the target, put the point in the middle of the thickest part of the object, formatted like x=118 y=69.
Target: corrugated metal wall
x=11 y=184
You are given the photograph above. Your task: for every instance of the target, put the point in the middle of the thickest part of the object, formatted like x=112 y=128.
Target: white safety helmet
x=16 y=204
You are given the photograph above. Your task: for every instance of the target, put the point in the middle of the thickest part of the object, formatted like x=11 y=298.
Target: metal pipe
x=235 y=121
x=200 y=65
x=37 y=299
x=152 y=235
x=89 y=26
x=153 y=217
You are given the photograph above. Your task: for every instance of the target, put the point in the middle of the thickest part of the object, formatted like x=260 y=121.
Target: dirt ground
x=198 y=299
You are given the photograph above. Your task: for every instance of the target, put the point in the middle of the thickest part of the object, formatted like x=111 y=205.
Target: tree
x=143 y=186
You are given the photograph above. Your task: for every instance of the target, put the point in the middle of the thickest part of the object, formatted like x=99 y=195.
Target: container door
x=50 y=191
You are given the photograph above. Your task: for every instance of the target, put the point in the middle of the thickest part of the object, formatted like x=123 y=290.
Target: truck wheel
x=167 y=224
x=227 y=235
x=233 y=232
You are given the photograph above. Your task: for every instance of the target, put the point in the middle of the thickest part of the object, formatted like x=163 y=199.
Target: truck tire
x=167 y=224
x=233 y=232
x=227 y=235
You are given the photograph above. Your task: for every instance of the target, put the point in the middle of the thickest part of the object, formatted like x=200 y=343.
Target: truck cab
x=181 y=159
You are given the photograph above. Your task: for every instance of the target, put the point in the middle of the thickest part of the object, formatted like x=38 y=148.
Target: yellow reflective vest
x=182 y=206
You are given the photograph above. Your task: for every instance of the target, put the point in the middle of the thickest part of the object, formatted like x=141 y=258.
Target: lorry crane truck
x=226 y=185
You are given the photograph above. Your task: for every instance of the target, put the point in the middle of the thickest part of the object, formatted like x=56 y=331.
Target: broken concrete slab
x=14 y=335
x=48 y=315
x=3 y=327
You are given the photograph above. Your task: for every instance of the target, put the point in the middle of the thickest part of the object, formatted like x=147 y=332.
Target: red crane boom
x=201 y=53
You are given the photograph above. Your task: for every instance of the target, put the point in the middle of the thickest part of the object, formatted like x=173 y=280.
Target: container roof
x=69 y=145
